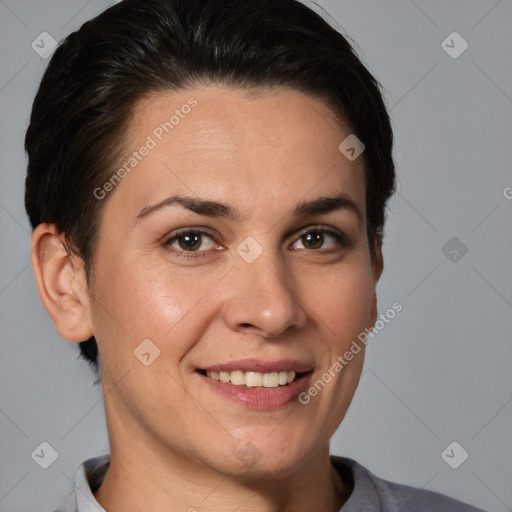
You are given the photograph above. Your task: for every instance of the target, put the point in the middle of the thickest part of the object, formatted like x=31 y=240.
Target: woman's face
x=268 y=280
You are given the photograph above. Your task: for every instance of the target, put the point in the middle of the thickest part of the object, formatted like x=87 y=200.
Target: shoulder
x=89 y=477
x=378 y=494
x=69 y=504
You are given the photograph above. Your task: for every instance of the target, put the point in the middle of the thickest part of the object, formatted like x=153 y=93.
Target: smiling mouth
x=254 y=379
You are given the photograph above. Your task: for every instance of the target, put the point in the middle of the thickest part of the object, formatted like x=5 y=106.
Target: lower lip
x=260 y=398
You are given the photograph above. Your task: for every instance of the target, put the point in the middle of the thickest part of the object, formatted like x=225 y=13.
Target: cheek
x=343 y=302
x=137 y=301
x=342 y=299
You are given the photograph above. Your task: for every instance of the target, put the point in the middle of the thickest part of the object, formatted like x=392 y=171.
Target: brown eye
x=313 y=240
x=190 y=241
x=317 y=238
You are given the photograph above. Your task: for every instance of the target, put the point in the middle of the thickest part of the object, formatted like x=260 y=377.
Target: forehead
x=221 y=116
x=270 y=148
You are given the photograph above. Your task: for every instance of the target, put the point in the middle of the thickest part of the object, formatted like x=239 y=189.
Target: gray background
x=439 y=372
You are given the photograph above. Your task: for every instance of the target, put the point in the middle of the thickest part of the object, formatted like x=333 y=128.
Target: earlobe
x=61 y=282
x=378 y=264
x=378 y=267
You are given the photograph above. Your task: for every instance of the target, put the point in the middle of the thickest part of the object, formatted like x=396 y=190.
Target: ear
x=61 y=282
x=378 y=267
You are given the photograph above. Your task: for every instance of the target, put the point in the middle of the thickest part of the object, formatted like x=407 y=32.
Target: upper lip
x=257 y=365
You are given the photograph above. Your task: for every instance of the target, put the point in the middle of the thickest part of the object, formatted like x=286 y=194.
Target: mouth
x=254 y=379
x=258 y=384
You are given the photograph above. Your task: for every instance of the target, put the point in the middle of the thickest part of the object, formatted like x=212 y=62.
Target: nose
x=262 y=299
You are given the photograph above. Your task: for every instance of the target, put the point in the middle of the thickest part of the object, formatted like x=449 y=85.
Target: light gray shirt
x=370 y=493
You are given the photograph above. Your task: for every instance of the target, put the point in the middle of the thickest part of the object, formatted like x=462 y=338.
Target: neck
x=144 y=481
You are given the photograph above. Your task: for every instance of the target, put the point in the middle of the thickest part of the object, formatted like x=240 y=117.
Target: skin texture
x=175 y=441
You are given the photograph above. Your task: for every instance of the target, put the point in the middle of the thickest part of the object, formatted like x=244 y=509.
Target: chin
x=258 y=457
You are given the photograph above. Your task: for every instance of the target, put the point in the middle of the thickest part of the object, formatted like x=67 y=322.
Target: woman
x=207 y=184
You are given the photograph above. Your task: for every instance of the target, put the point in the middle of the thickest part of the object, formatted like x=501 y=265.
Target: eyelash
x=339 y=237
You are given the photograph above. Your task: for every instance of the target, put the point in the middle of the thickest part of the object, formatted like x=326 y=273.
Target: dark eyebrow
x=199 y=206
x=321 y=205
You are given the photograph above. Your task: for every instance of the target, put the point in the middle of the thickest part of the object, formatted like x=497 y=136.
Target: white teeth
x=238 y=378
x=271 y=380
x=254 y=379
